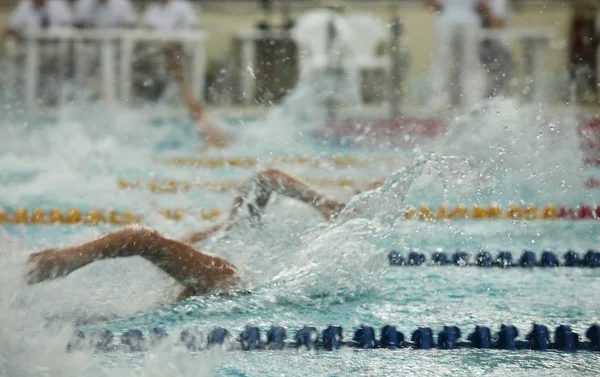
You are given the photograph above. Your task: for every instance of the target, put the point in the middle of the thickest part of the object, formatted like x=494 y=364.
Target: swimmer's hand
x=48 y=264
x=215 y=138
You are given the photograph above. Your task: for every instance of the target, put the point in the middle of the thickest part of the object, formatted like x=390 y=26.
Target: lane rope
x=504 y=259
x=333 y=338
x=171 y=186
x=494 y=211
x=218 y=162
x=93 y=216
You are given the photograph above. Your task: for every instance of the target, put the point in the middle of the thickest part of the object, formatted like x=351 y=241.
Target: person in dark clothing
x=494 y=54
x=583 y=46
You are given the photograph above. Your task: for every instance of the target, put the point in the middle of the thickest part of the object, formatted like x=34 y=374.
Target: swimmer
x=197 y=272
x=215 y=138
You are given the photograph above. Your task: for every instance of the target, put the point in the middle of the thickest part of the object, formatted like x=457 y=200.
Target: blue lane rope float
x=332 y=338
x=504 y=259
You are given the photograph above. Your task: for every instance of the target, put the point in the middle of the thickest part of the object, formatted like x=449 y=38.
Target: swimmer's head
x=330 y=208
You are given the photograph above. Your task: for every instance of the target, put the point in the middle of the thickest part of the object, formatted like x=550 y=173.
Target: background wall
x=222 y=20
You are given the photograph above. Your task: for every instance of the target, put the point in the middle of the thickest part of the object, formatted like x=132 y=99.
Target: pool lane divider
x=333 y=338
x=174 y=186
x=504 y=259
x=494 y=211
x=248 y=162
x=179 y=186
x=74 y=215
x=335 y=161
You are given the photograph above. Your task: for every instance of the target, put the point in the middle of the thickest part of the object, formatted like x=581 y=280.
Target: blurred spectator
x=170 y=15
x=325 y=42
x=456 y=27
x=98 y=14
x=583 y=43
x=494 y=54
x=32 y=16
x=104 y=13
x=150 y=79
x=35 y=15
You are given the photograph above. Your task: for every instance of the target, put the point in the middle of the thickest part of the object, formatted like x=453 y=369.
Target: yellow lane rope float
x=494 y=211
x=218 y=162
x=93 y=216
x=170 y=186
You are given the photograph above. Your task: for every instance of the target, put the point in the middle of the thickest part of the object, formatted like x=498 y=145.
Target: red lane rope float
x=590 y=130
x=592 y=182
x=385 y=127
x=591 y=161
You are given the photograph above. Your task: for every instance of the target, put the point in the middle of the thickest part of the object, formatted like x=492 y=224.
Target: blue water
x=300 y=270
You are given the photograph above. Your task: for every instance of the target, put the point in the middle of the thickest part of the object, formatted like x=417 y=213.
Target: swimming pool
x=300 y=270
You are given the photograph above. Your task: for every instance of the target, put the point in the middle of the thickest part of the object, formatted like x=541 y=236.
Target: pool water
x=299 y=269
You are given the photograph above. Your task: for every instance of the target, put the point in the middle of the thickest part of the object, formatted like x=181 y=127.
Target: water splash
x=518 y=152
x=503 y=152
x=339 y=264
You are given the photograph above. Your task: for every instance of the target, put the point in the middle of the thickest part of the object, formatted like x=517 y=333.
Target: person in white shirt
x=104 y=14
x=453 y=17
x=170 y=15
x=36 y=15
x=494 y=54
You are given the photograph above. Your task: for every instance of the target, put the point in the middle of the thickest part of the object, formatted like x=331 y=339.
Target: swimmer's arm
x=197 y=271
x=214 y=136
x=285 y=184
x=196 y=109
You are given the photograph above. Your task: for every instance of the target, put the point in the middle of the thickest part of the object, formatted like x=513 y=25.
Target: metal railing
x=111 y=51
